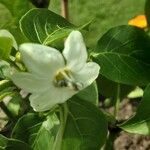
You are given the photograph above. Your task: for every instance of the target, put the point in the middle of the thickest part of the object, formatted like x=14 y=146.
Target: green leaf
x=108 y=88
x=4 y=69
x=5 y=47
x=35 y=131
x=23 y=128
x=86 y=26
x=84 y=122
x=123 y=54
x=4 y=34
x=140 y=123
x=86 y=126
x=6 y=89
x=45 y=137
x=15 y=105
x=44 y=26
x=57 y=36
x=16 y=7
x=5 y=84
x=12 y=144
x=89 y=94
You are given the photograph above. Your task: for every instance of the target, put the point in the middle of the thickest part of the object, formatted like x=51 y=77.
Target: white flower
x=52 y=77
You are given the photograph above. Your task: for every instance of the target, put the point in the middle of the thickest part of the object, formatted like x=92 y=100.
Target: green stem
x=63 y=118
x=110 y=141
x=6 y=111
x=117 y=102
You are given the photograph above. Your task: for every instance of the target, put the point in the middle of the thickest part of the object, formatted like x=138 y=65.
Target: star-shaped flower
x=54 y=77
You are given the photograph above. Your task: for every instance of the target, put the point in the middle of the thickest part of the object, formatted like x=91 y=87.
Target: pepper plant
x=53 y=83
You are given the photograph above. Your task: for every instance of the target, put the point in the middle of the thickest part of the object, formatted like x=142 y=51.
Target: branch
x=64 y=9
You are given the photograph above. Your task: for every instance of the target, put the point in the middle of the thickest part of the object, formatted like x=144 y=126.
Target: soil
x=127 y=141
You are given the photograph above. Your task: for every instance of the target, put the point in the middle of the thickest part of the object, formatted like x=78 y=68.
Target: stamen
x=64 y=78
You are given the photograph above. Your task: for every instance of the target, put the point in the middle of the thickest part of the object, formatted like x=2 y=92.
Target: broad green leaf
x=6 y=34
x=84 y=122
x=16 y=7
x=136 y=93
x=108 y=88
x=57 y=36
x=35 y=131
x=6 y=89
x=90 y=94
x=4 y=69
x=23 y=128
x=86 y=126
x=44 y=26
x=5 y=47
x=12 y=144
x=140 y=123
x=123 y=54
x=46 y=135
x=15 y=105
x=5 y=84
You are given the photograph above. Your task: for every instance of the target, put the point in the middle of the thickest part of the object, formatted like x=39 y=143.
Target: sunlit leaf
x=140 y=123
x=123 y=54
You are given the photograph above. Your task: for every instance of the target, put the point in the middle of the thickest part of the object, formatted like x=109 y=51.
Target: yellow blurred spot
x=139 y=21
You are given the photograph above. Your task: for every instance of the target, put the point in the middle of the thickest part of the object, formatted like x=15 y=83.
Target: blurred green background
x=106 y=14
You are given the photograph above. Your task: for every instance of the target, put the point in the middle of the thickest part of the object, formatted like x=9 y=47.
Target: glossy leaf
x=5 y=84
x=45 y=136
x=108 y=88
x=140 y=123
x=5 y=47
x=89 y=94
x=22 y=128
x=15 y=105
x=123 y=54
x=44 y=26
x=6 y=89
x=37 y=132
x=84 y=123
x=86 y=126
x=4 y=69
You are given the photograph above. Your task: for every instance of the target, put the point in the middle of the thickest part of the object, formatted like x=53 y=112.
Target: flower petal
x=29 y=82
x=50 y=98
x=87 y=74
x=75 y=51
x=41 y=60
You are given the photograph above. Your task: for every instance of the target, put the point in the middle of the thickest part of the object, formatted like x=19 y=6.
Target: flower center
x=64 y=78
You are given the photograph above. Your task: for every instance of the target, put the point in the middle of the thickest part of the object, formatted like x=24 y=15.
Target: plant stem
x=63 y=118
x=6 y=110
x=64 y=9
x=117 y=102
x=110 y=140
